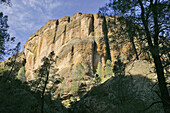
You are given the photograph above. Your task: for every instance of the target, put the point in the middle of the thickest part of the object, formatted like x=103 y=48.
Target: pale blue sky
x=25 y=17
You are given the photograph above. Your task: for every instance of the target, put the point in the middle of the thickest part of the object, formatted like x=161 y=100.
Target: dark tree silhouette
x=6 y=2
x=43 y=77
x=153 y=17
x=4 y=35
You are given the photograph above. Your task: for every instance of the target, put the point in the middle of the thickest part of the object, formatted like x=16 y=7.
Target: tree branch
x=145 y=23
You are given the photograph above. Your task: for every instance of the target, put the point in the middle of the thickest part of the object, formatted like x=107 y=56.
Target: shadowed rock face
x=120 y=94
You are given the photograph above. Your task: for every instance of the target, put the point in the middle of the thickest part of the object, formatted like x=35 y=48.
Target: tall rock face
x=84 y=39
x=90 y=52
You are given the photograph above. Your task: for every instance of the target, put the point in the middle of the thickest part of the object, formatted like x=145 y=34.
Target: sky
x=25 y=17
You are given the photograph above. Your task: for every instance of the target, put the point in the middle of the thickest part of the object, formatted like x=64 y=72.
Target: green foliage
x=21 y=74
x=119 y=67
x=17 y=97
x=97 y=80
x=99 y=70
x=40 y=85
x=43 y=74
x=108 y=68
x=79 y=74
x=23 y=97
x=2 y=70
x=80 y=69
x=102 y=75
x=4 y=36
x=74 y=87
x=99 y=74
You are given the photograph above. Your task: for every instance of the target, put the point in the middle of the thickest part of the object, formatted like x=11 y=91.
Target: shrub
x=21 y=74
x=108 y=68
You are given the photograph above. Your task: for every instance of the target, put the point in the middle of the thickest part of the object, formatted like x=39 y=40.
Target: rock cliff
x=85 y=39
x=82 y=38
x=84 y=47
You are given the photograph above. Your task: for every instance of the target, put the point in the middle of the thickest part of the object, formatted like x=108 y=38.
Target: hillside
x=93 y=67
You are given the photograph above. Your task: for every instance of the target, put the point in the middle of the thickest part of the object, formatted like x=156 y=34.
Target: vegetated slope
x=86 y=50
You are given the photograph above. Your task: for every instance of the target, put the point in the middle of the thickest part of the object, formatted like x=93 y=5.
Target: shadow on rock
x=121 y=94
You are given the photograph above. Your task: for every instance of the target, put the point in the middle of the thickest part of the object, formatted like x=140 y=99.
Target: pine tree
x=99 y=70
x=108 y=68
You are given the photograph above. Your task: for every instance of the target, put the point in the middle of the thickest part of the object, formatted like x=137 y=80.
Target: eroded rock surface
x=85 y=39
x=79 y=43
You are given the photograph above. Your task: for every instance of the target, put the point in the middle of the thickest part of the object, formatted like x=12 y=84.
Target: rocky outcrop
x=84 y=39
x=69 y=37
x=83 y=44
x=142 y=68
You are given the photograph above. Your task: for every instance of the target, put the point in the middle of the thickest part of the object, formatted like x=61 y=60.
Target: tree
x=76 y=84
x=43 y=77
x=99 y=70
x=21 y=74
x=108 y=68
x=6 y=2
x=18 y=97
x=153 y=17
x=4 y=35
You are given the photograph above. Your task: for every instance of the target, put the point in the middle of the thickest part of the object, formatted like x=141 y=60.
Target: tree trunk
x=131 y=33
x=161 y=80
x=45 y=85
x=134 y=48
x=157 y=61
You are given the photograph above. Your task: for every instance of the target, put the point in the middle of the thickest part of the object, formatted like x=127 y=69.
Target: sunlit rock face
x=85 y=39
x=82 y=38
x=142 y=68
x=80 y=43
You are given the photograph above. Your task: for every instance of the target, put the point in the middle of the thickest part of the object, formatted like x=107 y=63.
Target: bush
x=21 y=74
x=99 y=70
x=108 y=68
